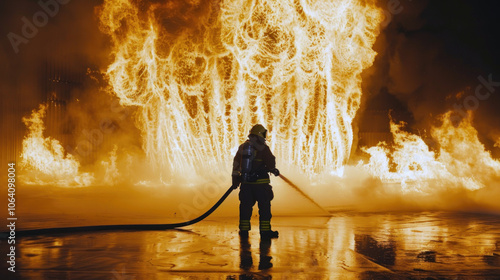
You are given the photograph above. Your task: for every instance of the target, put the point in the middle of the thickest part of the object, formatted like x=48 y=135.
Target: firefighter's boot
x=244 y=228
x=265 y=230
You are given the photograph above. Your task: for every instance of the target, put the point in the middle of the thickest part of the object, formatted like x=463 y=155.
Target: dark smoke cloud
x=94 y=124
x=433 y=50
x=71 y=34
x=66 y=33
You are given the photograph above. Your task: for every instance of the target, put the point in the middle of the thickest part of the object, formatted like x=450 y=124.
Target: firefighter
x=251 y=167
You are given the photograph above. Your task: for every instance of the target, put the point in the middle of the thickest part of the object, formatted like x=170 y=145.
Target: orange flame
x=461 y=161
x=202 y=73
x=44 y=159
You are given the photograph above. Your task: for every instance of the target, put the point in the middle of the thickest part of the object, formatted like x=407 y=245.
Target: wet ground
x=428 y=245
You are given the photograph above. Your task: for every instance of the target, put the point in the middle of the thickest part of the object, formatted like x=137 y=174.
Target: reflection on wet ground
x=344 y=246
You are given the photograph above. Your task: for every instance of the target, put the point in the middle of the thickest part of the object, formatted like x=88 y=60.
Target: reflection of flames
x=293 y=66
x=461 y=160
x=45 y=156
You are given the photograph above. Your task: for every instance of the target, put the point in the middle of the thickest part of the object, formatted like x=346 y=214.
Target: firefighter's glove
x=276 y=172
x=236 y=181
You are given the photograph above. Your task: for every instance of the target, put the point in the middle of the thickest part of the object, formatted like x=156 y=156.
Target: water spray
x=295 y=187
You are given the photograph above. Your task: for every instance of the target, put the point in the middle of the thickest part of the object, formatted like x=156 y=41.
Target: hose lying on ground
x=43 y=231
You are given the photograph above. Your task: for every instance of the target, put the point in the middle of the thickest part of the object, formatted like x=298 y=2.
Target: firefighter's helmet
x=259 y=130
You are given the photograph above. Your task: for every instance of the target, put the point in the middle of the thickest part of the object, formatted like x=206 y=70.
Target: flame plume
x=44 y=160
x=201 y=73
x=461 y=160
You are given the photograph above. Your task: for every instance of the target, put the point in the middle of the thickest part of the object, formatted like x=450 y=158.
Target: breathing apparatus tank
x=247 y=158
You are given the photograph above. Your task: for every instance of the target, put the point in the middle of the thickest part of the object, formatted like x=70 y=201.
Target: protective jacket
x=263 y=161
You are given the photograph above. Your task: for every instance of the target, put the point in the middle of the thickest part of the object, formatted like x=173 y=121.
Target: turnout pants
x=249 y=194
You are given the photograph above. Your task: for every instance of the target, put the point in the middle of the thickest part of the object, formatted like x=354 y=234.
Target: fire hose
x=145 y=227
x=123 y=227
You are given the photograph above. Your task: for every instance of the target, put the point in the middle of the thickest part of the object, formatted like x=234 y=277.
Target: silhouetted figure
x=246 y=261
x=251 y=165
x=265 y=259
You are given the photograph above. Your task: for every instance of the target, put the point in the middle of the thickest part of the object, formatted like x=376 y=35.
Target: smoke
x=433 y=57
x=33 y=35
x=54 y=49
x=429 y=53
x=358 y=190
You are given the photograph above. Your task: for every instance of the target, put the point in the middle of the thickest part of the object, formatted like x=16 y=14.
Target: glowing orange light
x=293 y=66
x=44 y=160
x=461 y=161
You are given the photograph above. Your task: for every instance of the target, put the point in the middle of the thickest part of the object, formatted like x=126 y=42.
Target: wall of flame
x=201 y=73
